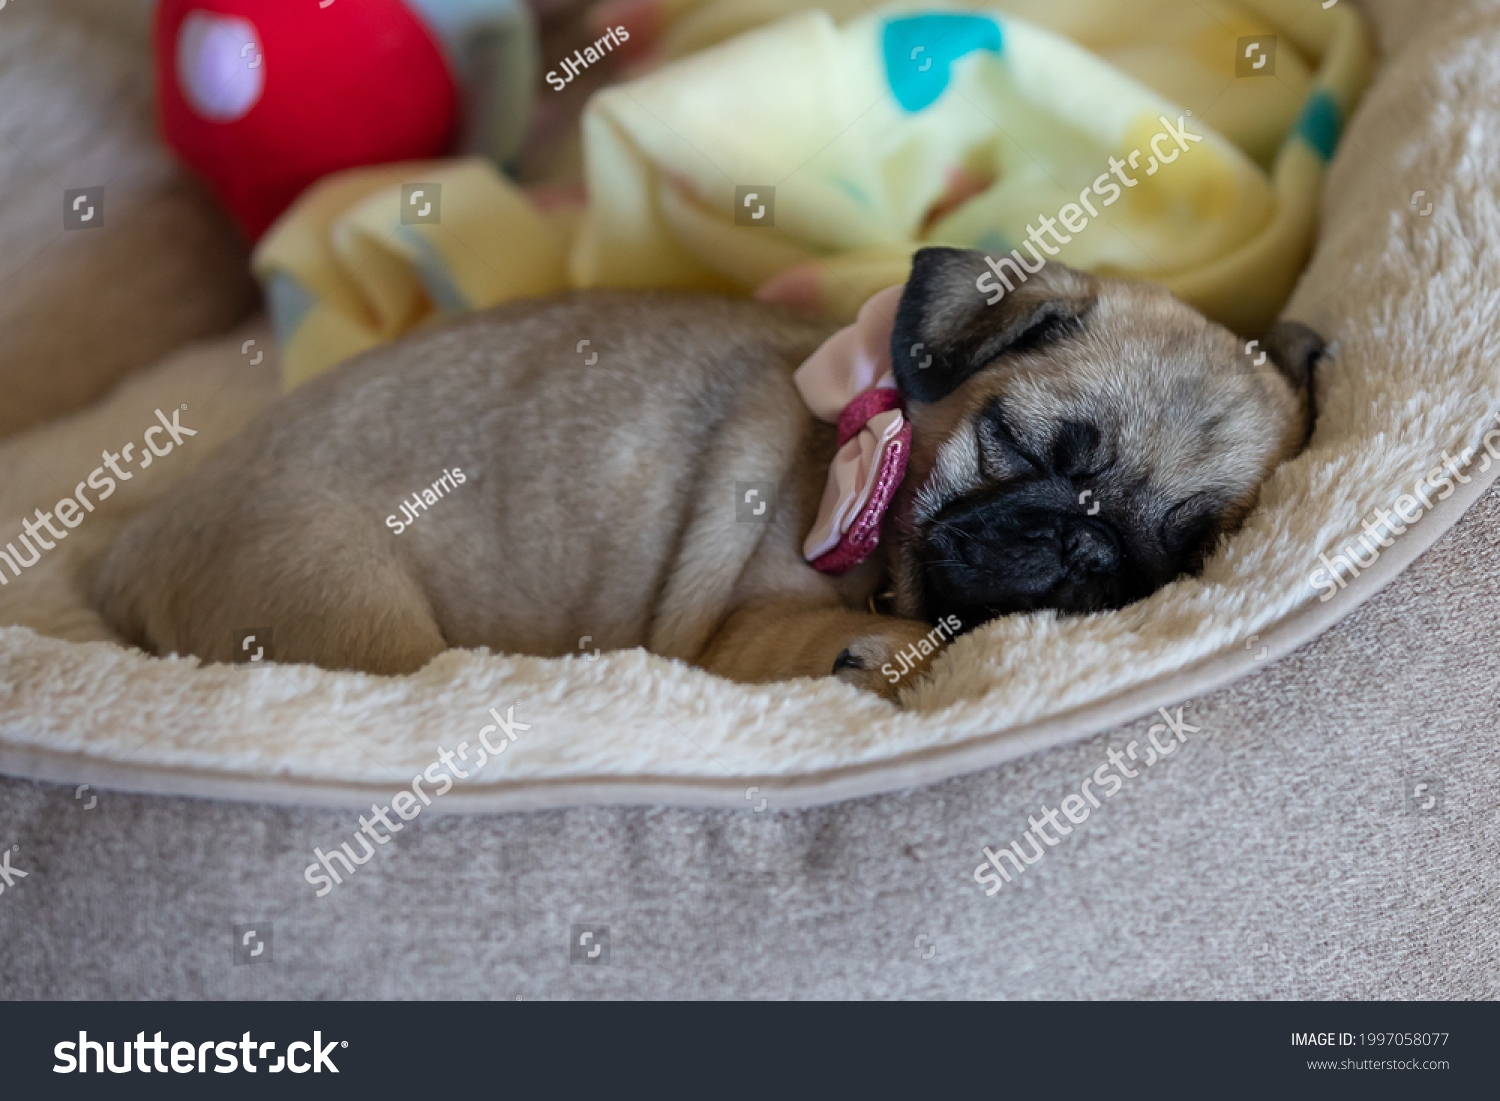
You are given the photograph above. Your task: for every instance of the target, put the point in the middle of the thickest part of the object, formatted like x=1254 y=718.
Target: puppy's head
x=1078 y=443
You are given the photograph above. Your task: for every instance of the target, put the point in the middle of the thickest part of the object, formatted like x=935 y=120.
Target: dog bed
x=1402 y=281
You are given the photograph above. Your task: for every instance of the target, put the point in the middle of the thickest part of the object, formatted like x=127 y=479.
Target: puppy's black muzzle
x=1013 y=552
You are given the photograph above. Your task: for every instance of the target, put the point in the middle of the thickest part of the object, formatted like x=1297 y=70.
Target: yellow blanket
x=805 y=160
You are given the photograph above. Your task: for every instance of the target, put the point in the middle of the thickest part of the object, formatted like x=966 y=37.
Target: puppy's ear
x=1294 y=350
x=950 y=324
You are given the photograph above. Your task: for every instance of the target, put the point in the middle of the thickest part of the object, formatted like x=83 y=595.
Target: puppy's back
x=579 y=421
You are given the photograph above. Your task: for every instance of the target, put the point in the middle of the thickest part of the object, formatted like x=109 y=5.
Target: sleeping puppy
x=1074 y=446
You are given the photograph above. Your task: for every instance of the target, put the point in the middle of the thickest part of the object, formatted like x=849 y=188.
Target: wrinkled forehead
x=1129 y=354
x=1165 y=395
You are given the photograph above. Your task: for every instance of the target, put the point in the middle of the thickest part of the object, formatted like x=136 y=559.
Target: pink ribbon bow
x=848 y=381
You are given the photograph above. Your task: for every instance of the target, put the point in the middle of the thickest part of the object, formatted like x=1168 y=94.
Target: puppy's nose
x=1090 y=547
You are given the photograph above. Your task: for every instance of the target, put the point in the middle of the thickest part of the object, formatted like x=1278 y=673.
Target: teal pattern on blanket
x=992 y=243
x=920 y=49
x=1319 y=124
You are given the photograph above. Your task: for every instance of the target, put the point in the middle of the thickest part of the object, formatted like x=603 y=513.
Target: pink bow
x=848 y=382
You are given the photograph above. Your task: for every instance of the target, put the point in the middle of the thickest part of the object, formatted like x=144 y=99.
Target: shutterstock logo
x=755 y=205
x=9 y=874
x=299 y=1057
x=1164 y=739
x=421 y=204
x=408 y=802
x=252 y=942
x=83 y=208
x=1255 y=55
x=589 y=945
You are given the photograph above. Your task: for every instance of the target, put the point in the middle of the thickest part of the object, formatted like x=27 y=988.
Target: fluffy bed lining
x=1408 y=292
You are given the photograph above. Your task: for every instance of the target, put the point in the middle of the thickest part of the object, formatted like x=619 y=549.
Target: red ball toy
x=264 y=97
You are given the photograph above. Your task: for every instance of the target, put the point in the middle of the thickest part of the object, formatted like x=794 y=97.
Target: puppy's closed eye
x=999 y=441
x=1190 y=527
x=1075 y=450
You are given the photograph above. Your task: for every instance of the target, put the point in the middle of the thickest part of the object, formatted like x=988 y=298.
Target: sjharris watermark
x=913 y=656
x=582 y=59
x=420 y=501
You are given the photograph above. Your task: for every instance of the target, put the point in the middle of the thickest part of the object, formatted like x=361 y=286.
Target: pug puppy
x=1075 y=446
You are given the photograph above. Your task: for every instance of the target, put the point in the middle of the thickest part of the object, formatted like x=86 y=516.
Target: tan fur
x=599 y=501
x=599 y=508
x=1143 y=361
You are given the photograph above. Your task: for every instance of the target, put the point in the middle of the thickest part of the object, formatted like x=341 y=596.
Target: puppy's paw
x=887 y=661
